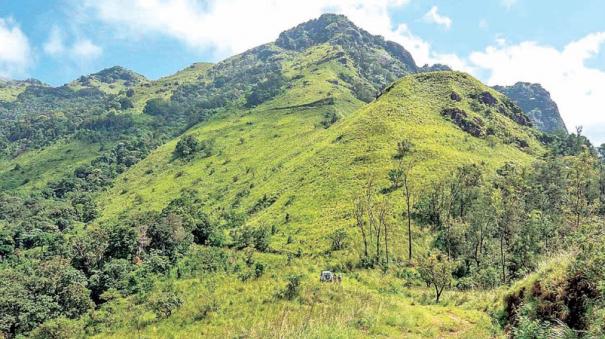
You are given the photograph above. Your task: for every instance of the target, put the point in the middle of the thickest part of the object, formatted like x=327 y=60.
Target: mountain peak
x=109 y=80
x=317 y=31
x=338 y=30
x=379 y=61
x=116 y=73
x=536 y=102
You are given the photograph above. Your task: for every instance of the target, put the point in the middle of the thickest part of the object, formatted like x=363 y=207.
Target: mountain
x=170 y=208
x=379 y=62
x=110 y=80
x=536 y=102
x=10 y=89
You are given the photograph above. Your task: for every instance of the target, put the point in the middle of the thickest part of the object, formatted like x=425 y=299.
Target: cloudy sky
x=556 y=43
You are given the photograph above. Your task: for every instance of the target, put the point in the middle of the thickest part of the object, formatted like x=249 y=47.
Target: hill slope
x=282 y=153
x=278 y=167
x=278 y=142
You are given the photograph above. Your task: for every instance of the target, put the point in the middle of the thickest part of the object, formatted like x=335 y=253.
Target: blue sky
x=556 y=43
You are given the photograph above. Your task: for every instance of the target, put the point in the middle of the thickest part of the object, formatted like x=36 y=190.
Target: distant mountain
x=434 y=68
x=536 y=102
x=110 y=80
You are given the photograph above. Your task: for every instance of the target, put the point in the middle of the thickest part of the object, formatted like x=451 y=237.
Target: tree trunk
x=502 y=257
x=407 y=198
x=386 y=241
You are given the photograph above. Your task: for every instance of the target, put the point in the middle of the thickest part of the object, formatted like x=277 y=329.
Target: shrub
x=338 y=239
x=252 y=237
x=259 y=269
x=189 y=146
x=186 y=147
x=157 y=107
x=292 y=289
x=59 y=328
x=164 y=304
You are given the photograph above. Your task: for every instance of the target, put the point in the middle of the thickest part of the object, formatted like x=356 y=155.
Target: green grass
x=165 y=87
x=365 y=304
x=313 y=172
x=10 y=92
x=277 y=150
x=281 y=150
x=35 y=168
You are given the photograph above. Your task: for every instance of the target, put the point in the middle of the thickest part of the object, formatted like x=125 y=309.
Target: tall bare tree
x=405 y=164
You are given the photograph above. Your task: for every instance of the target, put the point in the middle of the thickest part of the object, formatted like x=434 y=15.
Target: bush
x=164 y=304
x=253 y=237
x=186 y=147
x=157 y=107
x=125 y=103
x=59 y=328
x=189 y=146
x=292 y=289
x=338 y=239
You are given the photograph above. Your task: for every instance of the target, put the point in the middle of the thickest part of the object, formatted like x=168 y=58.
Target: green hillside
x=302 y=162
x=208 y=203
x=313 y=173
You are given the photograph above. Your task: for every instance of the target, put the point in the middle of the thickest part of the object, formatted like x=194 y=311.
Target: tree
x=582 y=189
x=436 y=270
x=360 y=223
x=186 y=147
x=371 y=218
x=383 y=212
x=405 y=164
x=338 y=239
x=157 y=107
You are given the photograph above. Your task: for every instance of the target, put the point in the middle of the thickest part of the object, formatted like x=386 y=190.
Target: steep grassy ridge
x=283 y=160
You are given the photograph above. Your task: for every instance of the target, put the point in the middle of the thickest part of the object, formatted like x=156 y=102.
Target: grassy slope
x=37 y=167
x=10 y=92
x=164 y=87
x=365 y=304
x=314 y=173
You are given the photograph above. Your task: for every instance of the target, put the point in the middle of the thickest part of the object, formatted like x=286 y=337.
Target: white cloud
x=433 y=16
x=54 y=45
x=227 y=27
x=230 y=26
x=15 y=52
x=80 y=51
x=577 y=88
x=85 y=49
x=422 y=51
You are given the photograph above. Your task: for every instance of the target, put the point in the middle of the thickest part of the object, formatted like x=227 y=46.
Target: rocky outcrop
x=459 y=117
x=536 y=102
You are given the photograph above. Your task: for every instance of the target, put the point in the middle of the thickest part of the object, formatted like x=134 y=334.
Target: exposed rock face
x=488 y=99
x=460 y=118
x=536 y=102
x=434 y=68
x=512 y=111
x=455 y=96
